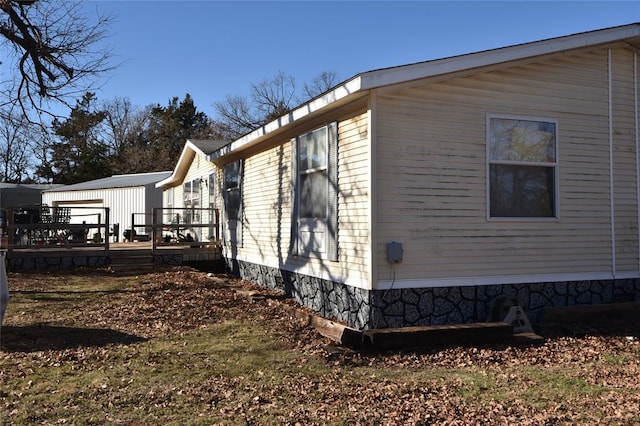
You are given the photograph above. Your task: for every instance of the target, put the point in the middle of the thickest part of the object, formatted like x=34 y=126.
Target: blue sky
x=210 y=49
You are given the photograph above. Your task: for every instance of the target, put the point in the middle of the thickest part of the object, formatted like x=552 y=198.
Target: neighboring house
x=436 y=192
x=123 y=195
x=192 y=186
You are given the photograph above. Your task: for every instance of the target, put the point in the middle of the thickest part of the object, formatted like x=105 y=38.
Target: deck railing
x=193 y=227
x=42 y=226
x=36 y=227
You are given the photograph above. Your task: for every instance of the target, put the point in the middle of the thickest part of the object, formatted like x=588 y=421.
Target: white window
x=315 y=210
x=168 y=197
x=168 y=202
x=523 y=168
x=232 y=195
x=191 y=191
x=212 y=190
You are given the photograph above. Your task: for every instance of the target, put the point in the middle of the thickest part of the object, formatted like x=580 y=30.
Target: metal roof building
x=124 y=195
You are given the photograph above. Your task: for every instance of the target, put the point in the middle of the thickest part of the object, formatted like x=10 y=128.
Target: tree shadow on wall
x=43 y=337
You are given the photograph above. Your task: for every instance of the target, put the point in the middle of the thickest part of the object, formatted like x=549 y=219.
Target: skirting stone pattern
x=56 y=262
x=363 y=309
x=168 y=259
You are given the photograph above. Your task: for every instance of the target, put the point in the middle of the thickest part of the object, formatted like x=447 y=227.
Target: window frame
x=232 y=231
x=192 y=197
x=313 y=226
x=555 y=165
x=226 y=190
x=169 y=201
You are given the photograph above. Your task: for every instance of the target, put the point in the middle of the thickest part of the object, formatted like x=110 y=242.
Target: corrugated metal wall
x=122 y=202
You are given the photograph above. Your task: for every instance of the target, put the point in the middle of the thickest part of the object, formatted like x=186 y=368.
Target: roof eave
x=176 y=175
x=388 y=76
x=342 y=92
x=401 y=74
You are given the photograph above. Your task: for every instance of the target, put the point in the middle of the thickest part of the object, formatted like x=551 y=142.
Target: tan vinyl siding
x=267 y=208
x=624 y=165
x=431 y=160
x=199 y=168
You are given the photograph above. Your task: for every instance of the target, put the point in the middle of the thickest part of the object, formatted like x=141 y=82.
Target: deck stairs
x=131 y=262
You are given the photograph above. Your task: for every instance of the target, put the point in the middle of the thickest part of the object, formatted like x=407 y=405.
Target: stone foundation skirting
x=371 y=309
x=41 y=263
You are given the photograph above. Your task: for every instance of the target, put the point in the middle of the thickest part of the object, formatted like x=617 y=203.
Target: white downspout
x=373 y=191
x=611 y=186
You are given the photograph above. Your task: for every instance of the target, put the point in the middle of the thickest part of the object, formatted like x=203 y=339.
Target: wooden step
x=132 y=269
x=437 y=335
x=413 y=337
x=131 y=262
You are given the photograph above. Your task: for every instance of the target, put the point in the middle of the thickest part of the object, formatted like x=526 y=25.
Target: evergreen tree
x=170 y=127
x=78 y=155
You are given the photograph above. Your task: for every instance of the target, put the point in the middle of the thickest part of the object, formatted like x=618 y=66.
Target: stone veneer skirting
x=371 y=309
x=59 y=261
x=40 y=263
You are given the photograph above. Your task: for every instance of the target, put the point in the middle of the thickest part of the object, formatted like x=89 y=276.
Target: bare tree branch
x=16 y=147
x=274 y=97
x=236 y=115
x=56 y=53
x=320 y=84
x=268 y=100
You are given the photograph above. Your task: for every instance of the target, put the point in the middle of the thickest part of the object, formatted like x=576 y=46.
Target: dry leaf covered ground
x=182 y=347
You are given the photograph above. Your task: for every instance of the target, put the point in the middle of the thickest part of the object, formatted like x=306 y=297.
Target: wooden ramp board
x=408 y=337
x=411 y=337
x=333 y=330
x=438 y=335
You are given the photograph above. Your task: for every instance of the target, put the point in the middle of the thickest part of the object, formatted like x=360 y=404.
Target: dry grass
x=179 y=347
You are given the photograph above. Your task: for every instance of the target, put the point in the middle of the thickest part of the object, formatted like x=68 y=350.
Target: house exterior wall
x=267 y=210
x=428 y=158
x=199 y=168
x=625 y=167
x=432 y=173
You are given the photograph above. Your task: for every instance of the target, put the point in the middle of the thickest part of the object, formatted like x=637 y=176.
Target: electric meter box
x=394 y=252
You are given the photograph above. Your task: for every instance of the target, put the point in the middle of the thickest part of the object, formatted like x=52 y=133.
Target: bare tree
x=273 y=97
x=320 y=84
x=16 y=147
x=268 y=100
x=125 y=129
x=236 y=115
x=54 y=46
x=123 y=123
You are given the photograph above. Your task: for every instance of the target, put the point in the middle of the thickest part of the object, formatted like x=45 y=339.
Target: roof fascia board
x=175 y=175
x=389 y=76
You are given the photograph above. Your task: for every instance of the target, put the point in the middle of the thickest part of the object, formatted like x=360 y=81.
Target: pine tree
x=78 y=155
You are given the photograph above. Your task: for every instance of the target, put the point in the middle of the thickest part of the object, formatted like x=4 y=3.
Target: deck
x=121 y=255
